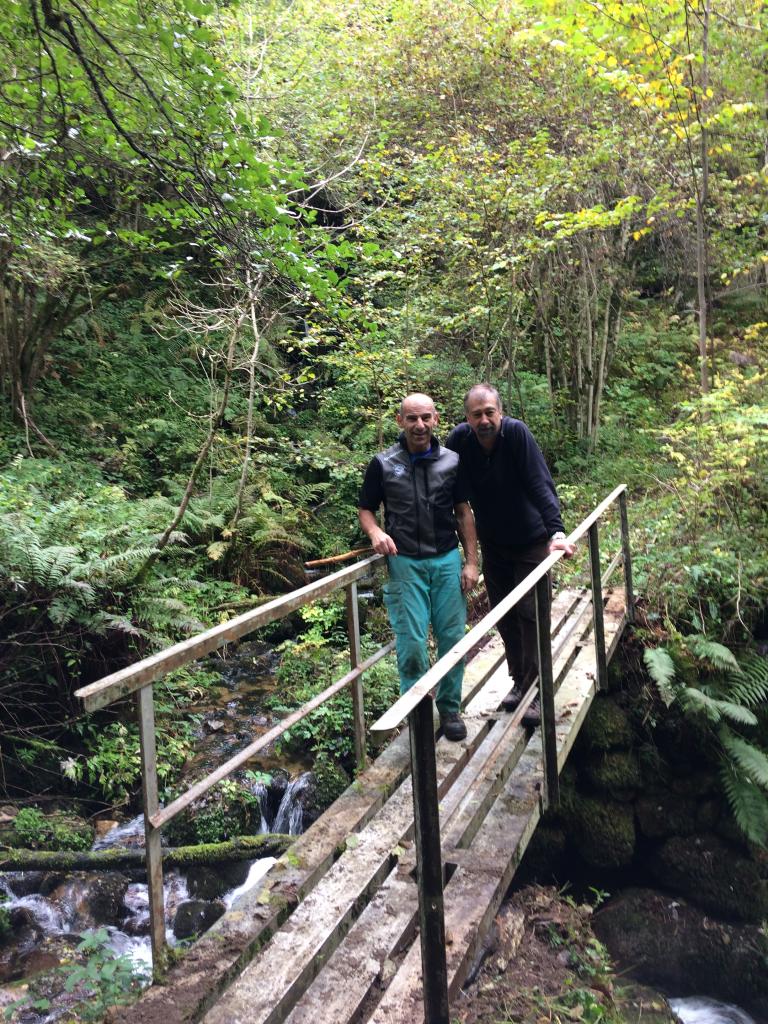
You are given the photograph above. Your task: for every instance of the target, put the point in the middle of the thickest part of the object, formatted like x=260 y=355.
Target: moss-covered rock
x=714 y=875
x=664 y=814
x=668 y=943
x=330 y=781
x=33 y=830
x=603 y=831
x=607 y=726
x=544 y=855
x=615 y=772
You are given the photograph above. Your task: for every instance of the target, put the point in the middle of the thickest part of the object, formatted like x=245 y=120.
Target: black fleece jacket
x=512 y=492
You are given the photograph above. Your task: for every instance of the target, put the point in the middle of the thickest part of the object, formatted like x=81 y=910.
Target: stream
x=51 y=912
x=697 y=1010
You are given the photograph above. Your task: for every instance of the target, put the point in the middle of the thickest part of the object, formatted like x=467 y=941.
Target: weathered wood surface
x=483 y=837
x=343 y=898
x=127 y=680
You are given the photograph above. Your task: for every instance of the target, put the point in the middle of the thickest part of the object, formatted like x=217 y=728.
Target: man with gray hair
x=425 y=505
x=518 y=520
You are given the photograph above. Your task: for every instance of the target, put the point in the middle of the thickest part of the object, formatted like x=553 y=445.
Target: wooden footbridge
x=377 y=911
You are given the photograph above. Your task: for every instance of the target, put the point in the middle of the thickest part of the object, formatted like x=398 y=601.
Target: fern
x=661 y=668
x=751 y=759
x=748 y=803
x=751 y=687
x=716 y=654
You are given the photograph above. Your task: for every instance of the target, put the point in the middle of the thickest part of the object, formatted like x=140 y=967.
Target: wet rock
x=92 y=899
x=665 y=814
x=615 y=772
x=24 y=883
x=606 y=726
x=214 y=725
x=196 y=916
x=603 y=831
x=29 y=959
x=104 y=827
x=713 y=875
x=544 y=854
x=671 y=944
x=208 y=883
x=639 y=1004
x=105 y=897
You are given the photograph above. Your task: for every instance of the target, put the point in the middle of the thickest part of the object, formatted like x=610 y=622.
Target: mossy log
x=242 y=848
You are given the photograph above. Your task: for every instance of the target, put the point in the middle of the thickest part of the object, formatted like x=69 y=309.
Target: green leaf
x=661 y=668
x=707 y=650
x=752 y=760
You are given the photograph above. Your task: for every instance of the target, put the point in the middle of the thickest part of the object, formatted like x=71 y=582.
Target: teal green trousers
x=421 y=591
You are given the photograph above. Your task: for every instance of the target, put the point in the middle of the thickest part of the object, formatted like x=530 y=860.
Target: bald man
x=426 y=504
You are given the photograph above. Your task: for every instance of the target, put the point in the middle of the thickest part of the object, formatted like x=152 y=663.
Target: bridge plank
x=270 y=986
x=474 y=892
x=485 y=870
x=359 y=964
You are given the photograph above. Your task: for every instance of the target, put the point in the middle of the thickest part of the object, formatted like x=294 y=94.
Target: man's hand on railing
x=561 y=543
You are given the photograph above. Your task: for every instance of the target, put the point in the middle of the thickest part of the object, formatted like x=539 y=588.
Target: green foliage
x=113 y=762
x=307 y=667
x=34 y=831
x=730 y=696
x=103 y=980
x=701 y=540
x=230 y=809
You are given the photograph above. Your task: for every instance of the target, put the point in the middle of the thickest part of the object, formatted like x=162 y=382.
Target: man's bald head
x=417 y=419
x=418 y=398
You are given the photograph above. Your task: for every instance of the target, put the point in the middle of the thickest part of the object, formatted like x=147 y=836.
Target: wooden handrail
x=396 y=715
x=132 y=678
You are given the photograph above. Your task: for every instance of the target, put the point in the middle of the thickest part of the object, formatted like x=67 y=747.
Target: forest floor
x=542 y=963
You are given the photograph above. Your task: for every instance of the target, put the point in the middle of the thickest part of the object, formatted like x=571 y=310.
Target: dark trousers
x=503 y=568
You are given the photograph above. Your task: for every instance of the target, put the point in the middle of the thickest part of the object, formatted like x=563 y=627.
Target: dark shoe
x=453 y=727
x=512 y=699
x=532 y=714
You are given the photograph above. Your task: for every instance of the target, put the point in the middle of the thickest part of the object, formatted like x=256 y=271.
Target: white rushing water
x=699 y=1010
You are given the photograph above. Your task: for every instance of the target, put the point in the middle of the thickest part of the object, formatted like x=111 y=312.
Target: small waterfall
x=290 y=814
x=261 y=792
x=258 y=869
x=698 y=1010
x=47 y=917
x=130 y=834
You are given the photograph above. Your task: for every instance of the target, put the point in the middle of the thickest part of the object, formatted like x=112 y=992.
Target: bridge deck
x=329 y=935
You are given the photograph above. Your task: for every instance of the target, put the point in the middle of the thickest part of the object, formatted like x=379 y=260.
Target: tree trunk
x=242 y=848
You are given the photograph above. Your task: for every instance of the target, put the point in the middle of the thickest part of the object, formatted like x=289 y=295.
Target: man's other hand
x=469 y=577
x=382 y=543
x=563 y=545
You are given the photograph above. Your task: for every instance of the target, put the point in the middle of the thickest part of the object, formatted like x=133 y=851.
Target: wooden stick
x=338 y=558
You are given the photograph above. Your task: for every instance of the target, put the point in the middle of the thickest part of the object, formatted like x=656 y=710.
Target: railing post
x=154 y=853
x=429 y=865
x=547 y=693
x=358 y=705
x=627 y=557
x=597 y=608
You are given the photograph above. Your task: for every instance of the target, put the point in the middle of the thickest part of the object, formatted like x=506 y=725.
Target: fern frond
x=748 y=803
x=750 y=687
x=661 y=669
x=751 y=759
x=716 y=654
x=696 y=700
